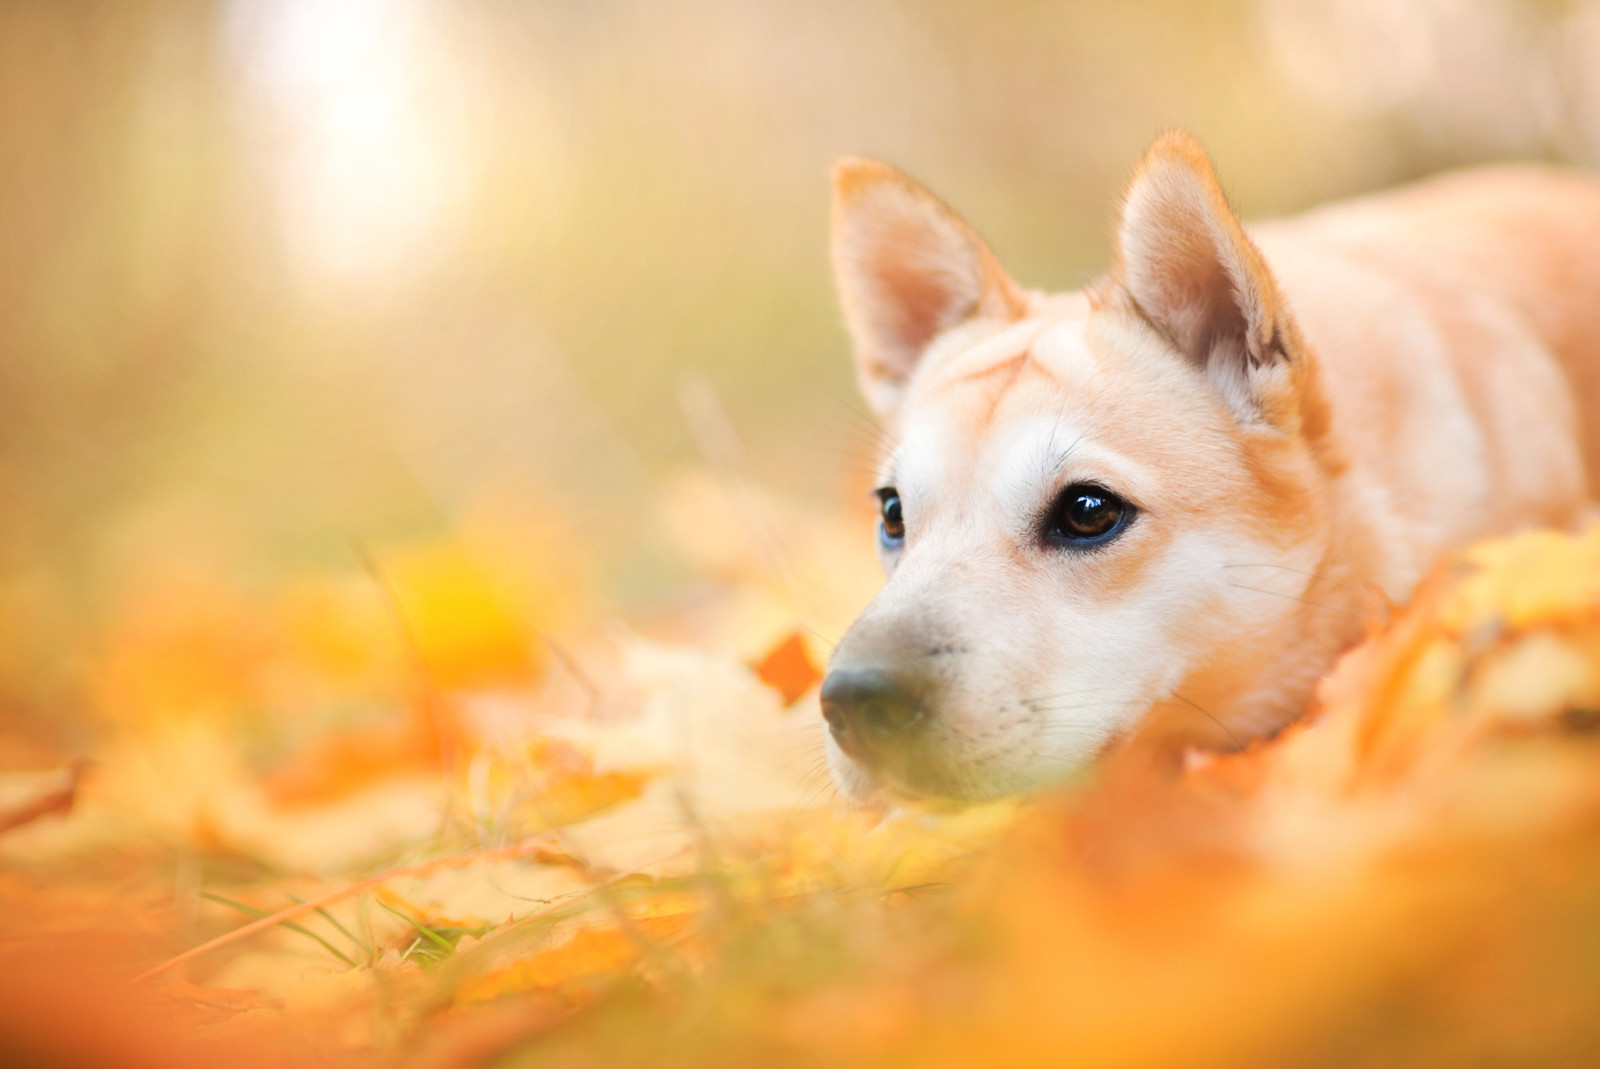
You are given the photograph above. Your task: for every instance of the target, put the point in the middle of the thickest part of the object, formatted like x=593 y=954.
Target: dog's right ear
x=908 y=269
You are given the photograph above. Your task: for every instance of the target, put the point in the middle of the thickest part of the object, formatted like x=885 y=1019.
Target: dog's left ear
x=1189 y=267
x=908 y=269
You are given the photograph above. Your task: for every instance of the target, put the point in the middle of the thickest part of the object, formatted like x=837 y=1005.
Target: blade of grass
x=536 y=847
x=331 y=919
x=293 y=927
x=426 y=700
x=439 y=940
x=416 y=941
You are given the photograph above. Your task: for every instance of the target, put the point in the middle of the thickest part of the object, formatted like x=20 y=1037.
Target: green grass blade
x=329 y=917
x=443 y=943
x=291 y=925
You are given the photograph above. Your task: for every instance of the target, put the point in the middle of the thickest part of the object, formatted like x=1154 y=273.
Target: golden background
x=276 y=277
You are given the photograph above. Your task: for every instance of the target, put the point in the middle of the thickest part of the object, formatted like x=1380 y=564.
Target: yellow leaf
x=465 y=625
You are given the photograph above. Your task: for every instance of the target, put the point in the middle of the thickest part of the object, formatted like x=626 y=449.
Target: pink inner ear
x=921 y=302
x=1204 y=303
x=1183 y=264
x=908 y=270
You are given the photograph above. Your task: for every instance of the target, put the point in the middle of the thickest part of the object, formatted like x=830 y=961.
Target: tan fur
x=1302 y=412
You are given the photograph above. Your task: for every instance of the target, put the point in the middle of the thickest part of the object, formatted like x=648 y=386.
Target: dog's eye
x=891 y=524
x=1086 y=515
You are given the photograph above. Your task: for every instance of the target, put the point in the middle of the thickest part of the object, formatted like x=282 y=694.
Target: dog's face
x=1080 y=494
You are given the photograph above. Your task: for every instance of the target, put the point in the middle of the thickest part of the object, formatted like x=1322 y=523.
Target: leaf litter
x=433 y=811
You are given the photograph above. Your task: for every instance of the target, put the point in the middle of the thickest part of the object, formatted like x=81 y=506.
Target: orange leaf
x=41 y=796
x=333 y=768
x=569 y=788
x=788 y=668
x=592 y=953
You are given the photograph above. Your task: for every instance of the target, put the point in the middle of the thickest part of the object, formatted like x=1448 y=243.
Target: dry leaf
x=788 y=668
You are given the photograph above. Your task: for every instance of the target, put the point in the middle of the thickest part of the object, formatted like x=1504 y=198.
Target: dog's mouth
x=915 y=776
x=918 y=771
x=870 y=784
x=890 y=774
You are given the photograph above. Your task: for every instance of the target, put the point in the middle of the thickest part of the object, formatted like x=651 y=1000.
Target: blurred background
x=284 y=278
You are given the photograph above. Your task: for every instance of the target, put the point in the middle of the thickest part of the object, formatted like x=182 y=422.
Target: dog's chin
x=921 y=784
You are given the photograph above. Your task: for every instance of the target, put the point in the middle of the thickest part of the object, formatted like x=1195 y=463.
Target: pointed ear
x=1190 y=269
x=908 y=269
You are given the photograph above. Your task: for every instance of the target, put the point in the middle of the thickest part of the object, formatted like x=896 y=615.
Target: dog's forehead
x=975 y=370
x=1004 y=413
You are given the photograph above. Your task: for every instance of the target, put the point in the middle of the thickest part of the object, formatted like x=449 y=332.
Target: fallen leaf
x=788 y=668
x=26 y=797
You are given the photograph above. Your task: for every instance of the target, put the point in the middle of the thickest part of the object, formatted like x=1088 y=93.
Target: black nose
x=867 y=707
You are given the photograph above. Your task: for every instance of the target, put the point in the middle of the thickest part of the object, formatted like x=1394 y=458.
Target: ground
x=435 y=810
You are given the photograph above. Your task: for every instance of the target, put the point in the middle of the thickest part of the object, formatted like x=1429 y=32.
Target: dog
x=1157 y=509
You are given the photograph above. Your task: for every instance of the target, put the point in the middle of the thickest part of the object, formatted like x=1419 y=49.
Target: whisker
x=1303 y=601
x=1042 y=707
x=815 y=786
x=820 y=637
x=850 y=424
x=1064 y=694
x=1083 y=733
x=1236 y=740
x=1301 y=571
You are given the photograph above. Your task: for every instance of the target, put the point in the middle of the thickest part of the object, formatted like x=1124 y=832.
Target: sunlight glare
x=367 y=116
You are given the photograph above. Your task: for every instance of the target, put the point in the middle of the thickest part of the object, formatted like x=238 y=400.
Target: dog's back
x=1500 y=260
